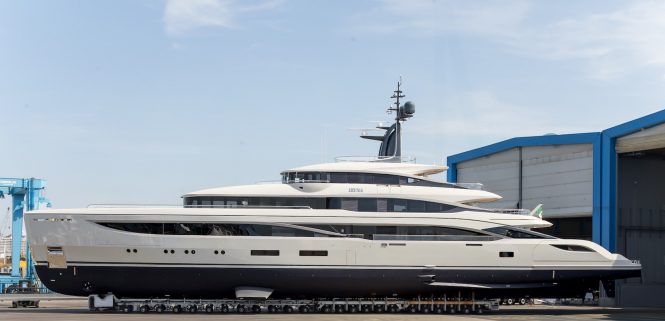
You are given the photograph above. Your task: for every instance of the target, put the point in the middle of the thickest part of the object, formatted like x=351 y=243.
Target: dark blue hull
x=321 y=282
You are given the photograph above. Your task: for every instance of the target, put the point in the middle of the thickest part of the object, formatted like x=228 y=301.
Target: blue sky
x=143 y=101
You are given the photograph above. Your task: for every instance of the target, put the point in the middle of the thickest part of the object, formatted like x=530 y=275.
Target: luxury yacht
x=381 y=227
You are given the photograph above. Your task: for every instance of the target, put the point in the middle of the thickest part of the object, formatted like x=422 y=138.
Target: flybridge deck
x=459 y=304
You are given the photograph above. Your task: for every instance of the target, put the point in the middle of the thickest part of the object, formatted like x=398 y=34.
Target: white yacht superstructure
x=345 y=229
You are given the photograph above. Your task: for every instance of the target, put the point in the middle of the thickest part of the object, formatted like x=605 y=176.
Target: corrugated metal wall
x=560 y=177
x=499 y=173
x=641 y=226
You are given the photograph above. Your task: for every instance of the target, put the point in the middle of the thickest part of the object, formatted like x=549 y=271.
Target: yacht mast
x=391 y=140
x=397 y=94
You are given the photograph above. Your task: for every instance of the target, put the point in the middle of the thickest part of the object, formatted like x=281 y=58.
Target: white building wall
x=499 y=173
x=558 y=176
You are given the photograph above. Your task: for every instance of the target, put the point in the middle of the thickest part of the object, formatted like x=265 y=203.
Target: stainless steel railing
x=394 y=159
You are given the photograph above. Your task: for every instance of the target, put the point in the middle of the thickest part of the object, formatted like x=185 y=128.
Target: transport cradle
x=443 y=304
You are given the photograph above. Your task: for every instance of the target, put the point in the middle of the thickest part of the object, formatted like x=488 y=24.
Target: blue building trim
x=596 y=214
x=583 y=138
x=567 y=139
x=608 y=231
x=605 y=158
x=595 y=139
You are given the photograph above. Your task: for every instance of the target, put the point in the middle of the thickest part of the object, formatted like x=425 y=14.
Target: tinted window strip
x=313 y=253
x=574 y=248
x=356 y=204
x=265 y=252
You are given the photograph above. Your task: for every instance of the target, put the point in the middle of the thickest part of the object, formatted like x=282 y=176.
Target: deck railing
x=387 y=159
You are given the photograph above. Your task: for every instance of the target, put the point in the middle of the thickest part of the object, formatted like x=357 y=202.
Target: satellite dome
x=409 y=108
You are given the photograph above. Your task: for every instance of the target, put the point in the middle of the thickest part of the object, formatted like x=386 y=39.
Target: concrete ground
x=77 y=310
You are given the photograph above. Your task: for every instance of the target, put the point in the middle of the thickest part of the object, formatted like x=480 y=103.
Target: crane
x=26 y=194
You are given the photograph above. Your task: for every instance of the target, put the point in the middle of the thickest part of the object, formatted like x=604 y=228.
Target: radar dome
x=409 y=108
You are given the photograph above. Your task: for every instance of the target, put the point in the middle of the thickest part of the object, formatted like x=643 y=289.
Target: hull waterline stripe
x=381 y=267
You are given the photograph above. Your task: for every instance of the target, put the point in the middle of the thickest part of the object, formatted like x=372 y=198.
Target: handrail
x=387 y=159
x=393 y=237
x=474 y=186
x=247 y=206
x=132 y=205
x=194 y=206
x=269 y=182
x=300 y=180
x=516 y=211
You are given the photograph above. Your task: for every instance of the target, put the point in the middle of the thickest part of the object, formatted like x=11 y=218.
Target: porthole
x=172 y=251
x=134 y=250
x=129 y=251
x=223 y=252
x=216 y=252
x=166 y=251
x=193 y=251
x=186 y=251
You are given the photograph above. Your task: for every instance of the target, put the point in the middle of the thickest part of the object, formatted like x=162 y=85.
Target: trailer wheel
x=241 y=309
x=144 y=309
x=392 y=308
x=510 y=301
x=192 y=308
x=177 y=309
x=522 y=301
x=127 y=308
x=159 y=308
x=303 y=309
x=210 y=308
x=425 y=309
x=480 y=309
x=452 y=310
x=224 y=308
x=327 y=308
x=256 y=309
x=288 y=309
x=353 y=308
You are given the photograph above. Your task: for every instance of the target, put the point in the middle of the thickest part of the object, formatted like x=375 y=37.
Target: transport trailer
x=443 y=304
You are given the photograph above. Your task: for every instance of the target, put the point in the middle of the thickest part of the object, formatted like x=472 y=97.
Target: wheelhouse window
x=359 y=178
x=233 y=201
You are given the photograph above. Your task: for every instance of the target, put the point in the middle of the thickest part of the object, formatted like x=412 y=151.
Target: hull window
x=212 y=229
x=370 y=232
x=506 y=254
x=313 y=253
x=265 y=252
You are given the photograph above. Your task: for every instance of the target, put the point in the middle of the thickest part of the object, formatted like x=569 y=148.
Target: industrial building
x=607 y=186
